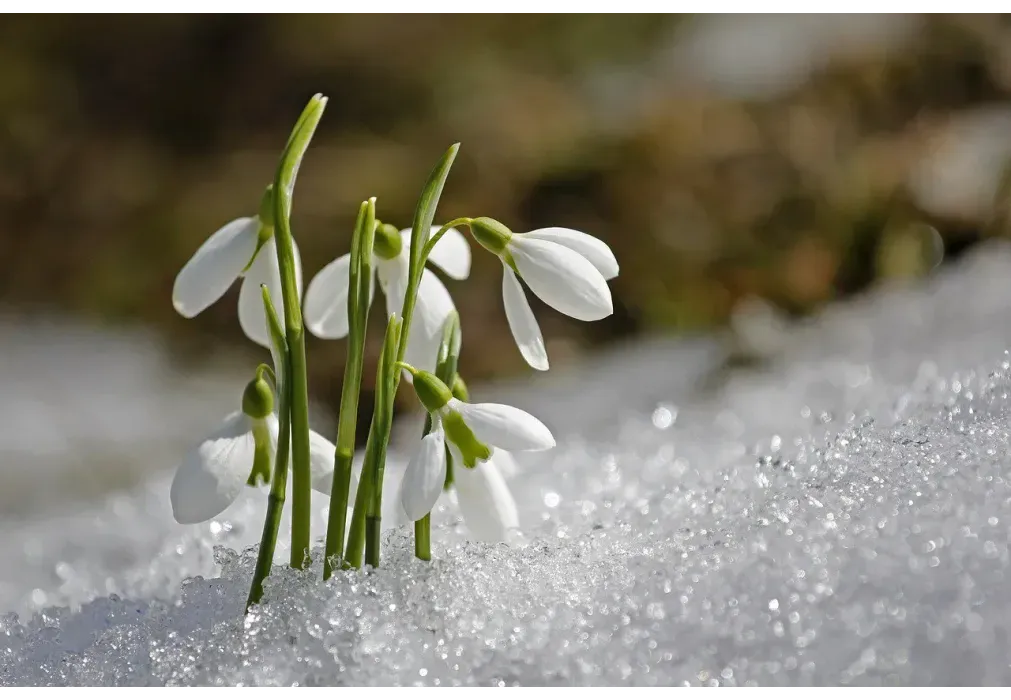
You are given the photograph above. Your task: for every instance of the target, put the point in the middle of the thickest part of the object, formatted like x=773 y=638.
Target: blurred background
x=795 y=160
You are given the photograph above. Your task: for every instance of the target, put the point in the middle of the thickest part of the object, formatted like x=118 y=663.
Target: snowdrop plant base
x=565 y=268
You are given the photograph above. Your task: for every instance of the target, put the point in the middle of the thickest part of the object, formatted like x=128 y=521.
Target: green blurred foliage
x=128 y=140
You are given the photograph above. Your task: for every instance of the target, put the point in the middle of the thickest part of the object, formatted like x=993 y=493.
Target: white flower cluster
x=566 y=269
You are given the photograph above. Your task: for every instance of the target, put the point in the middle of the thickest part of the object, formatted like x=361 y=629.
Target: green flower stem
x=355 y=548
x=424 y=214
x=363 y=537
x=370 y=493
x=284 y=184
x=427 y=250
x=373 y=542
x=279 y=480
x=385 y=392
x=423 y=527
x=445 y=369
x=423 y=538
x=358 y=314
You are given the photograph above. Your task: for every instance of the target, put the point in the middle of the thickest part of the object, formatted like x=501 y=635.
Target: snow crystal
x=840 y=516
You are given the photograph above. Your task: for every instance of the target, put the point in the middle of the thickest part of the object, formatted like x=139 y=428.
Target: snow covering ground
x=839 y=516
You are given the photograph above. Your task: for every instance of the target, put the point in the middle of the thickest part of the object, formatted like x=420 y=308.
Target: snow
x=839 y=515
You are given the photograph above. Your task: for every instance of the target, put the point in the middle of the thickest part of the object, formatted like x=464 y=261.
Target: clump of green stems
x=346 y=546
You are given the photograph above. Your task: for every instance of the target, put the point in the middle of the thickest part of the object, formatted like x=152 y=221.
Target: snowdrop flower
x=567 y=269
x=326 y=313
x=238 y=453
x=242 y=248
x=473 y=430
x=482 y=496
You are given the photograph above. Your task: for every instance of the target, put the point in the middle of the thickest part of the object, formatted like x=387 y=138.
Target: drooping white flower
x=326 y=297
x=497 y=425
x=213 y=474
x=241 y=248
x=486 y=504
x=473 y=431
x=567 y=269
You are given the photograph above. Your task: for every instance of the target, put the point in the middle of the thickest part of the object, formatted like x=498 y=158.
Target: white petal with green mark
x=504 y=426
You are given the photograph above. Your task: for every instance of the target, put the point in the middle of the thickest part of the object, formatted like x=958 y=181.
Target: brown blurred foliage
x=128 y=140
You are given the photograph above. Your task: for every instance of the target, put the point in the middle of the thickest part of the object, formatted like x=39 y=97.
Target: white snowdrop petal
x=451 y=254
x=393 y=508
x=215 y=266
x=425 y=476
x=213 y=474
x=264 y=270
x=505 y=463
x=326 y=300
x=523 y=323
x=593 y=249
x=562 y=278
x=504 y=426
x=432 y=308
x=422 y=352
x=252 y=318
x=486 y=503
x=392 y=275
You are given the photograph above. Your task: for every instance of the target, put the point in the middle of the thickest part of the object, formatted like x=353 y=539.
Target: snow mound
x=840 y=517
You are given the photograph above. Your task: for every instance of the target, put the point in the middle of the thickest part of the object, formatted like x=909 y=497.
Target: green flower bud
x=388 y=243
x=258 y=399
x=432 y=391
x=460 y=434
x=491 y=234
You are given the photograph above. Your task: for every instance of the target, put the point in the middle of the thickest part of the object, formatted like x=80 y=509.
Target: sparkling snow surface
x=838 y=516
